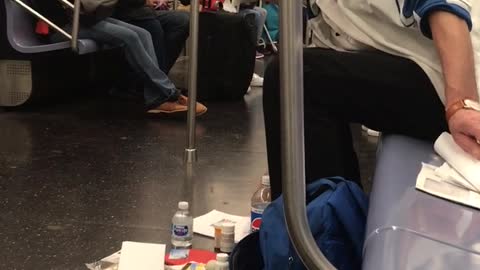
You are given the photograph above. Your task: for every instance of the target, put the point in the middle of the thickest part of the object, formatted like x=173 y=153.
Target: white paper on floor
x=142 y=256
x=204 y=224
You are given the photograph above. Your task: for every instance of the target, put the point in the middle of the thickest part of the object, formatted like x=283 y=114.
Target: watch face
x=472 y=104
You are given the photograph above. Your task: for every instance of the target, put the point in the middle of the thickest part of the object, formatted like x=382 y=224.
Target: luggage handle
x=293 y=163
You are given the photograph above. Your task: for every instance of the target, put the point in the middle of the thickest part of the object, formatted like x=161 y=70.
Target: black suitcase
x=226 y=55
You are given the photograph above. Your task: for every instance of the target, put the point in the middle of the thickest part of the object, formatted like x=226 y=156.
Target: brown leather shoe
x=169 y=107
x=199 y=109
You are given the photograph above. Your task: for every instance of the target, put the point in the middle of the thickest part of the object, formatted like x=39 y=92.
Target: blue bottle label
x=256 y=219
x=180 y=230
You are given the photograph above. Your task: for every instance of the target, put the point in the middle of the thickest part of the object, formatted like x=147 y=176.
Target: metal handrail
x=43 y=18
x=190 y=150
x=75 y=24
x=293 y=149
x=75 y=21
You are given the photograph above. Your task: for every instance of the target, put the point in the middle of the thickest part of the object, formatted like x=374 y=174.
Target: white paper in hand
x=142 y=256
x=465 y=164
x=429 y=182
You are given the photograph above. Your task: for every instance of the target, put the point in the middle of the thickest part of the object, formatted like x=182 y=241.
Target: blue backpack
x=337 y=214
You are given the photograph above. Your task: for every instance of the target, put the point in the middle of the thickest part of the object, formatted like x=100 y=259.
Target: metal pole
x=274 y=47
x=191 y=151
x=293 y=149
x=68 y=4
x=75 y=25
x=41 y=17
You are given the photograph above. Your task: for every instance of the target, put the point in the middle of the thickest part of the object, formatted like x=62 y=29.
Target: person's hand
x=162 y=4
x=156 y=3
x=152 y=3
x=465 y=129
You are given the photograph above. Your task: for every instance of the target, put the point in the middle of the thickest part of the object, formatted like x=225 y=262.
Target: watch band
x=461 y=104
x=454 y=108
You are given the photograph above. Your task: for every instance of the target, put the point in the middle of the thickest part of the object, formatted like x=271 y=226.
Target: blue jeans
x=260 y=18
x=169 y=32
x=140 y=54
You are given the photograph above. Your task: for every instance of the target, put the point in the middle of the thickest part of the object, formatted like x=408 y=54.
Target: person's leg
x=140 y=54
x=386 y=93
x=262 y=18
x=176 y=26
x=257 y=81
x=259 y=21
x=143 y=35
x=154 y=27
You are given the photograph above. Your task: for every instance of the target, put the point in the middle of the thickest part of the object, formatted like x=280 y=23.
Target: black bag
x=247 y=255
x=226 y=55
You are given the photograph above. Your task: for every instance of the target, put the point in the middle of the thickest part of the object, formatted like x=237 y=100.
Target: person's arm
x=454 y=45
x=452 y=39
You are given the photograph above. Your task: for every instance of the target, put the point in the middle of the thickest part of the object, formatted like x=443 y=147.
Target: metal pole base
x=190 y=156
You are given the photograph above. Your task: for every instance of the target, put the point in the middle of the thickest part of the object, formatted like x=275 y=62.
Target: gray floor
x=77 y=179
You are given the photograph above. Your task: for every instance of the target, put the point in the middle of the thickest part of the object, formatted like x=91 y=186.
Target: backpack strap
x=355 y=190
x=320 y=186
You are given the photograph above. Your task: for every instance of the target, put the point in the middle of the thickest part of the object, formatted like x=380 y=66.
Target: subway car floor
x=78 y=178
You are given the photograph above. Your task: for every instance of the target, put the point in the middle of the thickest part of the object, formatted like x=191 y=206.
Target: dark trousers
x=169 y=32
x=386 y=93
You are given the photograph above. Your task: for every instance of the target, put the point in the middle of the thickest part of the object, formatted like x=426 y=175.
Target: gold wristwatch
x=467 y=104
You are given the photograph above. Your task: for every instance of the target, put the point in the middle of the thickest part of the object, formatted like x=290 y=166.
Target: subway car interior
x=239 y=134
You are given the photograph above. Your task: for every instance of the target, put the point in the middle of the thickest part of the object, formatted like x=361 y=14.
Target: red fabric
x=42 y=28
x=195 y=255
x=211 y=5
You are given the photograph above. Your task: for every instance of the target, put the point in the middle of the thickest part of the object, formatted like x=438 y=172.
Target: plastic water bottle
x=182 y=227
x=260 y=200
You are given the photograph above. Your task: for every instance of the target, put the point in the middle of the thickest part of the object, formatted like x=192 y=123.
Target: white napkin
x=466 y=165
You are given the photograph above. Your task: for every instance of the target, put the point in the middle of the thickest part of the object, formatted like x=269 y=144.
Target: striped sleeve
x=417 y=11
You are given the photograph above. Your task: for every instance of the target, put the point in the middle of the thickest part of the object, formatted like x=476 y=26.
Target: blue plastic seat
x=22 y=37
x=409 y=229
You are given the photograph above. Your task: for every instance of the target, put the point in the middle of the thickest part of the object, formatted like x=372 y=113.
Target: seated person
x=390 y=70
x=248 y=7
x=160 y=94
x=260 y=18
x=169 y=29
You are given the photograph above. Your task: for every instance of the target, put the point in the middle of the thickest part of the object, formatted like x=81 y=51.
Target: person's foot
x=170 y=108
x=257 y=81
x=177 y=107
x=259 y=55
x=199 y=108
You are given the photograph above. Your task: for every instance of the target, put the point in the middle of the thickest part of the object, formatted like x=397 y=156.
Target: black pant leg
x=384 y=92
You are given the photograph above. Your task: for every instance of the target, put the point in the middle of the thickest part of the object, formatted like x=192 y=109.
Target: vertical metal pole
x=191 y=151
x=293 y=149
x=75 y=25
